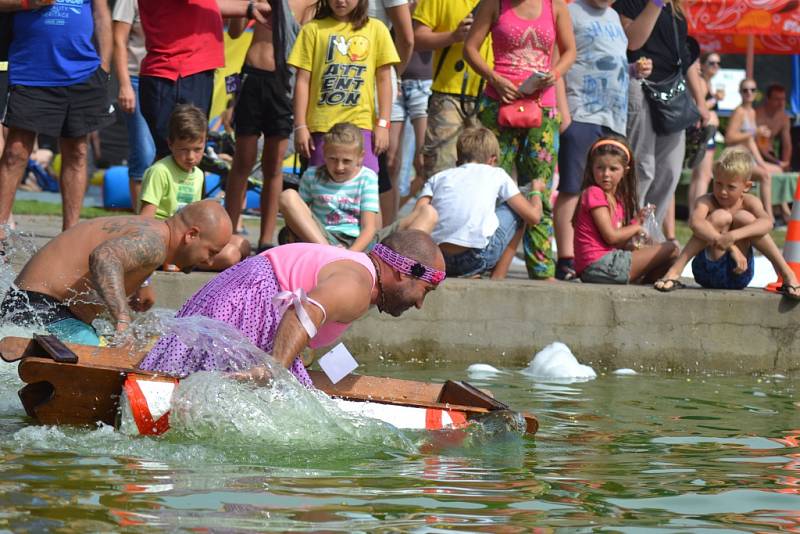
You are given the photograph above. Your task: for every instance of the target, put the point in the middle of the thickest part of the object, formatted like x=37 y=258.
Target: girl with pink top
x=608 y=228
x=524 y=35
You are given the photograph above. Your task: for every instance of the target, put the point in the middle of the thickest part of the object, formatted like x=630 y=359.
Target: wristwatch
x=383 y=123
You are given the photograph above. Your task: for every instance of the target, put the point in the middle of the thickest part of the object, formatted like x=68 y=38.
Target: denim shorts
x=476 y=260
x=613 y=268
x=575 y=143
x=412 y=100
x=719 y=274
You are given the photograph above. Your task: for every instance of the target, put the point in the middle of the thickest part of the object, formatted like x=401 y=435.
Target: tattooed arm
x=110 y=261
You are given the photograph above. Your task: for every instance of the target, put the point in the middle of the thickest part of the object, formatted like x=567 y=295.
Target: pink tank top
x=522 y=46
x=297 y=266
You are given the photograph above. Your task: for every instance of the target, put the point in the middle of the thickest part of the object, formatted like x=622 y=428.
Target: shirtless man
x=297 y=296
x=772 y=114
x=264 y=105
x=100 y=264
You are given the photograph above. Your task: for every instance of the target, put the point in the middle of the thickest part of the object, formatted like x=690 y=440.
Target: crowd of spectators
x=546 y=79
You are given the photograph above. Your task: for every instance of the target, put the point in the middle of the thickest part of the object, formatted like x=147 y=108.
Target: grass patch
x=37 y=207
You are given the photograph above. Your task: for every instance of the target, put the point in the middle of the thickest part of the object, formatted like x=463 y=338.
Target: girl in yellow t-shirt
x=340 y=57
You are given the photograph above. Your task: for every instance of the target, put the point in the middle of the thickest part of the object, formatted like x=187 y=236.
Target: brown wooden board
x=15 y=348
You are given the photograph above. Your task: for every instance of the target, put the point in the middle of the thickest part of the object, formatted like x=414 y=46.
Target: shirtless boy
x=727 y=224
x=101 y=265
x=264 y=105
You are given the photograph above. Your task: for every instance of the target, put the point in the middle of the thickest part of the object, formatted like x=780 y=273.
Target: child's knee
x=286 y=199
x=721 y=219
x=241 y=244
x=742 y=218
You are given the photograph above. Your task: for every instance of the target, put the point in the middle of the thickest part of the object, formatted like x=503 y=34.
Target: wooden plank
x=376 y=388
x=15 y=348
x=81 y=395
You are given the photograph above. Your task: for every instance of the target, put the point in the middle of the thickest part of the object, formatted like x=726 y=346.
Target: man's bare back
x=63 y=268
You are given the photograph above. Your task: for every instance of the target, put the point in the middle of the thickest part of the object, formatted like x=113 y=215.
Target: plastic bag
x=651 y=229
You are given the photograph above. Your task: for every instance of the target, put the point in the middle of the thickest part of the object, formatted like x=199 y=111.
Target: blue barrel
x=116 y=191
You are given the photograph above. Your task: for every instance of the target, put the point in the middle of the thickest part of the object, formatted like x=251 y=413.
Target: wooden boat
x=93 y=388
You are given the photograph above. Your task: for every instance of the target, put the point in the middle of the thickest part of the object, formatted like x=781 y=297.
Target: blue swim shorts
x=719 y=274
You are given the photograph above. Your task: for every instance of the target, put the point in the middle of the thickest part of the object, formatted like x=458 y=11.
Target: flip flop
x=664 y=288
x=790 y=291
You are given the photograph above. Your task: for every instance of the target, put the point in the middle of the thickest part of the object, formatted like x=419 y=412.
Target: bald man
x=101 y=264
x=300 y=295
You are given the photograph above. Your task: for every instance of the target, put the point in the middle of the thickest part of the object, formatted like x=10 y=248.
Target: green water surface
x=616 y=454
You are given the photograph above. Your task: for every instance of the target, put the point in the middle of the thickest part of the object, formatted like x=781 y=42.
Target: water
x=641 y=453
x=622 y=453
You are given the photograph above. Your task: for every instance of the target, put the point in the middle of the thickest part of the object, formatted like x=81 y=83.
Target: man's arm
x=403 y=34
x=127 y=96
x=111 y=260
x=238 y=8
x=102 y=32
x=426 y=39
x=345 y=295
x=786 y=144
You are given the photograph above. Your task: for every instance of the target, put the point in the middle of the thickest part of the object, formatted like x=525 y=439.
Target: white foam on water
x=556 y=362
x=625 y=372
x=478 y=371
x=763 y=272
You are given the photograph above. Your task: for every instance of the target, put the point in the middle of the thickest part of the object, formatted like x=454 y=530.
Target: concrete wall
x=506 y=323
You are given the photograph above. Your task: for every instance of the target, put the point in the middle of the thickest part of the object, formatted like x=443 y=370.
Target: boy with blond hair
x=726 y=224
x=481 y=210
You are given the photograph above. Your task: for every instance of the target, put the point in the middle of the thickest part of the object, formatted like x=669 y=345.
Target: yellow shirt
x=444 y=16
x=342 y=63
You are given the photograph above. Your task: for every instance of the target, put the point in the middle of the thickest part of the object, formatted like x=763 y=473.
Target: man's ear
x=192 y=234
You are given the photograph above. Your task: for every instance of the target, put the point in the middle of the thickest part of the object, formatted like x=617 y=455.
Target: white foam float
x=625 y=371
x=478 y=371
x=556 y=362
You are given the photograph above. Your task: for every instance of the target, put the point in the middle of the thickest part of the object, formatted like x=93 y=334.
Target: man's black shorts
x=70 y=111
x=263 y=106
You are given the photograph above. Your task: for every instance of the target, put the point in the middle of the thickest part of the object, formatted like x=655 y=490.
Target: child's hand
x=303 y=143
x=644 y=67
x=740 y=259
x=538 y=185
x=380 y=140
x=724 y=241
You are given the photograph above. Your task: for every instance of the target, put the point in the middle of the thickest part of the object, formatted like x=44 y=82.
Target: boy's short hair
x=734 y=162
x=346 y=134
x=187 y=123
x=476 y=145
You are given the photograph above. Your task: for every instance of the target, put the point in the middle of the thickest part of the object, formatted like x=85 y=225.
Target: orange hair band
x=615 y=143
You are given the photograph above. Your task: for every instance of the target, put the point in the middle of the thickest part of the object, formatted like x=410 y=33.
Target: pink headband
x=612 y=142
x=404 y=265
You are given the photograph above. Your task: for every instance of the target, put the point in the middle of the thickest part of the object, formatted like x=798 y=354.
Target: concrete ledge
x=506 y=323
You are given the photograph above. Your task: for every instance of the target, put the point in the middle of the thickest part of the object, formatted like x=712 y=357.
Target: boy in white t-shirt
x=481 y=210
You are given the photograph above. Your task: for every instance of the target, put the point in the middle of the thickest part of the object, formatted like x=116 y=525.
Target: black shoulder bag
x=672 y=107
